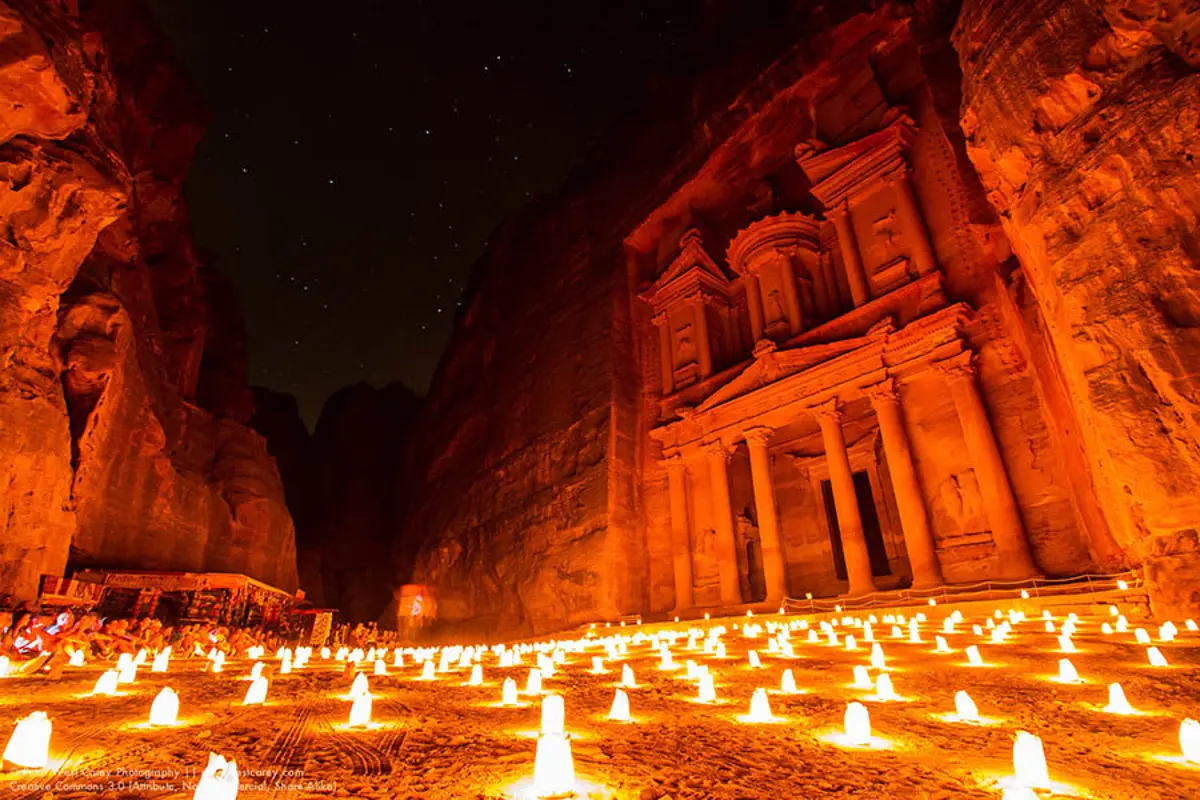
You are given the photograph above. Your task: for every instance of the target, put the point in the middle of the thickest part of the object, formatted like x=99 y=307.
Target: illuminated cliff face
x=124 y=396
x=797 y=329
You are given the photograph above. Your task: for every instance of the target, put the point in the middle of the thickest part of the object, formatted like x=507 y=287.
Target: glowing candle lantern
x=427 y=671
x=123 y=661
x=877 y=659
x=999 y=634
x=896 y=632
x=1106 y=629
x=553 y=767
x=360 y=710
x=127 y=673
x=977 y=630
x=619 y=712
x=1029 y=761
x=326 y=652
x=627 y=679
x=219 y=781
x=76 y=659
x=1190 y=624
x=141 y=656
x=162 y=659
x=857 y=724
x=883 y=688
x=597 y=665
x=1049 y=626
x=29 y=745
x=755 y=661
x=1157 y=659
x=787 y=684
x=914 y=633
x=760 y=707
x=862 y=678
x=256 y=670
x=707 y=691
x=1117 y=702
x=812 y=636
x=964 y=707
x=257 y=693
x=342 y=653
x=973 y=657
x=851 y=644
x=948 y=625
x=868 y=633
x=942 y=647
x=1122 y=585
x=533 y=684
x=508 y=695
x=165 y=708
x=218 y=662
x=380 y=667
x=107 y=683
x=397 y=658
x=1167 y=631
x=1065 y=644
x=1067 y=672
x=553 y=715
x=1141 y=636
x=1024 y=594
x=666 y=662
x=720 y=650
x=1122 y=624
x=285 y=666
x=1189 y=740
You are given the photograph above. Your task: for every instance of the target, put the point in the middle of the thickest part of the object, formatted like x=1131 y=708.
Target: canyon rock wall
x=123 y=398
x=347 y=490
x=1083 y=122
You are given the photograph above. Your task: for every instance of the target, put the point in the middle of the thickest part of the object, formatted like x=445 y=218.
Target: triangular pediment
x=771 y=365
x=691 y=266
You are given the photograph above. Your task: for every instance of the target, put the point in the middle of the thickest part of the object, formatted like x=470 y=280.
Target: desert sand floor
x=443 y=739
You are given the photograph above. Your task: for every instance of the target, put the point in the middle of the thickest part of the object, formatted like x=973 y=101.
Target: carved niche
x=693 y=309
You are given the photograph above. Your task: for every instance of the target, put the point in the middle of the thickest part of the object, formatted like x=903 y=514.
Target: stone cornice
x=840 y=176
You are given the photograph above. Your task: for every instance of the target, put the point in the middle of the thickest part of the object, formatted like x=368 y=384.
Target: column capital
x=759 y=436
x=883 y=392
x=701 y=298
x=718 y=449
x=674 y=462
x=829 y=411
x=957 y=368
x=659 y=319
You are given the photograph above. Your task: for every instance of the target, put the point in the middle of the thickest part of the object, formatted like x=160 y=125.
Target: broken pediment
x=692 y=269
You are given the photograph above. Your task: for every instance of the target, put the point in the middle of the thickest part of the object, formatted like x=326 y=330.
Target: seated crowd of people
x=32 y=640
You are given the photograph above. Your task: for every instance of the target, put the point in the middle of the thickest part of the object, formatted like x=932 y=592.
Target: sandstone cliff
x=123 y=398
x=1083 y=122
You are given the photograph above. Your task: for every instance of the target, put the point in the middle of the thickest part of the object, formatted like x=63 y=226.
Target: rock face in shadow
x=1082 y=120
x=123 y=400
x=345 y=485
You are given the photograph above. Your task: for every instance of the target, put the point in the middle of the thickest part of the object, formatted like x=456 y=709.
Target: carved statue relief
x=961 y=501
x=705 y=569
x=887 y=234
x=774 y=306
x=685 y=347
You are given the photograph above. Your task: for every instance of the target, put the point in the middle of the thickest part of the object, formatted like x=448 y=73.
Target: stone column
x=703 y=343
x=718 y=471
x=845 y=500
x=915 y=232
x=681 y=540
x=754 y=304
x=664 y=346
x=855 y=276
x=791 y=296
x=774 y=565
x=914 y=520
x=1012 y=547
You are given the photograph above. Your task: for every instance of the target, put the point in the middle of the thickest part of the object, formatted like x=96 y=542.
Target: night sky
x=360 y=154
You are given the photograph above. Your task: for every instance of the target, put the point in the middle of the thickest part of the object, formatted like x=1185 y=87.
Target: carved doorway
x=872 y=531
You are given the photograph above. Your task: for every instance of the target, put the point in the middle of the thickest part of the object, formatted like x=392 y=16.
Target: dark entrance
x=870 y=522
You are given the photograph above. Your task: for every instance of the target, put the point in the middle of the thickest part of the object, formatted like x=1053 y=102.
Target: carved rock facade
x=123 y=398
x=833 y=317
